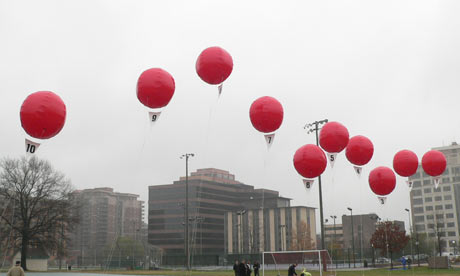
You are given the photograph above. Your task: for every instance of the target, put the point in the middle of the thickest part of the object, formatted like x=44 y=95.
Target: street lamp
x=240 y=230
x=314 y=127
x=352 y=236
x=187 y=251
x=334 y=240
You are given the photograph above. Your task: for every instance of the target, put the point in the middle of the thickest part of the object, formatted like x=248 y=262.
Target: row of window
x=453 y=170
x=431 y=217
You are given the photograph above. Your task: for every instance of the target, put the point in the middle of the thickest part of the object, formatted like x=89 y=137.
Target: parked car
x=382 y=260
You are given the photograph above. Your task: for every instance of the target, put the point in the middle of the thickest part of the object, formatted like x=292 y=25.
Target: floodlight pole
x=314 y=127
x=352 y=236
x=186 y=240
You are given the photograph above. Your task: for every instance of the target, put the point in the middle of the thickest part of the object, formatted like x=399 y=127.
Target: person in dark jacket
x=242 y=268
x=236 y=268
x=248 y=269
x=256 y=268
x=291 y=271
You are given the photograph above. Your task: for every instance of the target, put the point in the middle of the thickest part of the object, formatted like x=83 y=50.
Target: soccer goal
x=309 y=260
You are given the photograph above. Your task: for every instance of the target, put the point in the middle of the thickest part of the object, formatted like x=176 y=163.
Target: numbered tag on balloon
x=382 y=199
x=219 y=88
x=409 y=183
x=308 y=183
x=358 y=170
x=437 y=181
x=31 y=147
x=154 y=116
x=332 y=157
x=269 y=138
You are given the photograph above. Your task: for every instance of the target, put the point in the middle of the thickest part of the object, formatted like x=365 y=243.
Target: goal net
x=316 y=262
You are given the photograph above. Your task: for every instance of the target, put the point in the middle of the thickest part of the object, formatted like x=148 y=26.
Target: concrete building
x=270 y=229
x=333 y=235
x=104 y=216
x=437 y=211
x=212 y=194
x=363 y=228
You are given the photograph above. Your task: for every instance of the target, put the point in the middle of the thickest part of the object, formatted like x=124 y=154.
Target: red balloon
x=382 y=181
x=43 y=114
x=434 y=162
x=405 y=163
x=214 y=65
x=155 y=88
x=310 y=161
x=359 y=150
x=266 y=114
x=333 y=137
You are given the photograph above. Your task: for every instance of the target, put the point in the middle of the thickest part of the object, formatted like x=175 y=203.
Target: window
x=418 y=210
x=430 y=226
x=416 y=184
x=440 y=225
x=428 y=217
x=446 y=188
x=445 y=180
x=429 y=208
x=439 y=216
x=448 y=206
x=419 y=219
x=428 y=199
x=442 y=234
x=451 y=224
x=427 y=190
x=450 y=215
x=456 y=170
x=425 y=175
x=417 y=201
x=420 y=227
x=437 y=198
x=456 y=179
x=451 y=234
x=446 y=172
x=416 y=192
x=448 y=197
x=417 y=175
x=437 y=190
x=426 y=182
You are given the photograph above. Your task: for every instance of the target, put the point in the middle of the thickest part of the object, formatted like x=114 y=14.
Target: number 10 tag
x=31 y=147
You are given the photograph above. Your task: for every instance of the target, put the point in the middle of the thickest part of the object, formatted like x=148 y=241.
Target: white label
x=308 y=183
x=153 y=116
x=358 y=170
x=220 y=88
x=332 y=157
x=409 y=184
x=437 y=181
x=382 y=199
x=269 y=138
x=31 y=147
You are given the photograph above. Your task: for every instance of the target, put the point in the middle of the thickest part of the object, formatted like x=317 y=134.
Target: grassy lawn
x=377 y=272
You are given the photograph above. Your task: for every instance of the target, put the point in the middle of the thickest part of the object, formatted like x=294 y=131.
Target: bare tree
x=38 y=210
x=301 y=238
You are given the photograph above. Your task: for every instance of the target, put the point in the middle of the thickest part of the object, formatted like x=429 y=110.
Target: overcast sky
x=387 y=70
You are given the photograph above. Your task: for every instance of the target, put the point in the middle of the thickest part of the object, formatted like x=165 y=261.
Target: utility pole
x=187 y=250
x=314 y=127
x=334 y=240
x=352 y=236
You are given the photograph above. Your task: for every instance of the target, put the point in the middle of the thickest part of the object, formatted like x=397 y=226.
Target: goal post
x=309 y=260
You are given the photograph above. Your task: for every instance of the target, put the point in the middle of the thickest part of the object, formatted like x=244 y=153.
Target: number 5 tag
x=31 y=147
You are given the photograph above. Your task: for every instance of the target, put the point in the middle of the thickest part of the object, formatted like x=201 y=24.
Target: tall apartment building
x=437 y=211
x=104 y=216
x=270 y=229
x=212 y=193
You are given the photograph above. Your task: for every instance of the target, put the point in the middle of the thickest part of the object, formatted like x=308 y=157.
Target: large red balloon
x=155 y=88
x=43 y=114
x=333 y=137
x=382 y=181
x=434 y=162
x=266 y=114
x=359 y=150
x=214 y=65
x=310 y=161
x=405 y=163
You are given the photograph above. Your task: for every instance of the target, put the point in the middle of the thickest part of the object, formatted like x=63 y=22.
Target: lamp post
x=334 y=240
x=411 y=233
x=314 y=127
x=240 y=230
x=352 y=236
x=186 y=240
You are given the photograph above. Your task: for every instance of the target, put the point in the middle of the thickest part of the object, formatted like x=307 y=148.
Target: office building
x=333 y=235
x=436 y=211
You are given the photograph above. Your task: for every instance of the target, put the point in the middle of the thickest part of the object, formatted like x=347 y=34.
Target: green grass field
x=422 y=271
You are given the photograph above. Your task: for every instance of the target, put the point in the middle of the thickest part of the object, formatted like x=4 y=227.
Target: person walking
x=242 y=268
x=256 y=267
x=248 y=269
x=236 y=268
x=409 y=262
x=291 y=270
x=16 y=270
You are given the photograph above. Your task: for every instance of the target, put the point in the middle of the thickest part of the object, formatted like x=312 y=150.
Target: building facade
x=435 y=211
x=104 y=216
x=212 y=194
x=333 y=235
x=270 y=229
